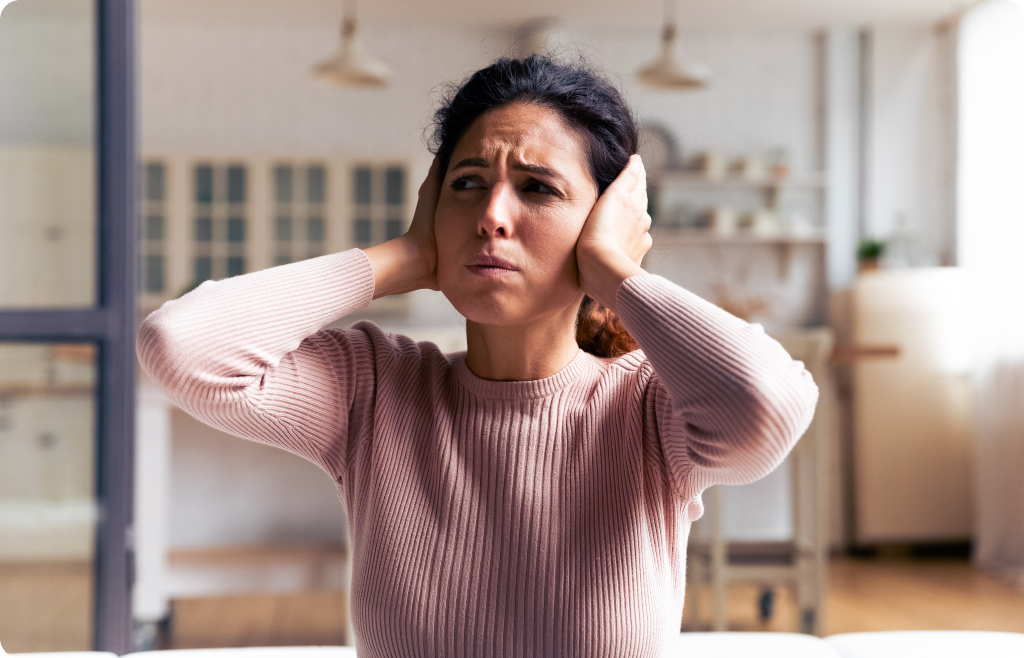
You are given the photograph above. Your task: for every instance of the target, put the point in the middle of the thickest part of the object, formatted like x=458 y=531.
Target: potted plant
x=869 y=255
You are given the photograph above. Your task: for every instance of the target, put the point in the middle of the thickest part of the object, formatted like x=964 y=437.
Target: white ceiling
x=604 y=13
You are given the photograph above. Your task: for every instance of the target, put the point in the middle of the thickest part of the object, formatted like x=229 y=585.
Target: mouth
x=486 y=265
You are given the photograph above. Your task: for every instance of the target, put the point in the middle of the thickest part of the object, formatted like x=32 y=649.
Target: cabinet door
x=912 y=412
x=48 y=507
x=67 y=324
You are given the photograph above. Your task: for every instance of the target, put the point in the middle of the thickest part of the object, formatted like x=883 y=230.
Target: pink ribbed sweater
x=536 y=518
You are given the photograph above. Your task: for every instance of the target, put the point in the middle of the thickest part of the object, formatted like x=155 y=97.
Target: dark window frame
x=110 y=324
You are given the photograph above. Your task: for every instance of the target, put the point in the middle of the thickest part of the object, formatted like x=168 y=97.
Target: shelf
x=46 y=390
x=782 y=244
x=700 y=181
x=705 y=237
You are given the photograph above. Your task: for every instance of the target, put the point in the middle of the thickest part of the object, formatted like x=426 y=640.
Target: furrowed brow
x=471 y=162
x=538 y=169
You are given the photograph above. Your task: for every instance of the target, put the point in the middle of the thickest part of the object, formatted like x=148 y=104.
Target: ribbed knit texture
x=537 y=518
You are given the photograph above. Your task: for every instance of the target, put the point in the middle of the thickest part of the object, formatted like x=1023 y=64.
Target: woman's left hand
x=615 y=236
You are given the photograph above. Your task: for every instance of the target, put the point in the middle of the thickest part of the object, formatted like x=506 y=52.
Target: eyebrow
x=529 y=168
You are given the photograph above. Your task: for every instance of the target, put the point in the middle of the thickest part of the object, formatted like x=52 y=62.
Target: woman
x=525 y=498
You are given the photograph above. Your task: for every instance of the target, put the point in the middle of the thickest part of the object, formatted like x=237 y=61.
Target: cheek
x=553 y=241
x=448 y=234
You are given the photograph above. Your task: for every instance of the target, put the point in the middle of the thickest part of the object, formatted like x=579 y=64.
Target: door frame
x=110 y=324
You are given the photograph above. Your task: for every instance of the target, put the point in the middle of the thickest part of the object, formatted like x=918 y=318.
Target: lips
x=487 y=262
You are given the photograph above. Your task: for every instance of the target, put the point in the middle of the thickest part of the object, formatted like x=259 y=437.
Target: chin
x=507 y=309
x=491 y=309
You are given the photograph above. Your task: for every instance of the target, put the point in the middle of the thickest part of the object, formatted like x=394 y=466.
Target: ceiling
x=712 y=14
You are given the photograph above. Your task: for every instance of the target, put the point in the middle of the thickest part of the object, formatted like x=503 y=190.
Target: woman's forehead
x=534 y=134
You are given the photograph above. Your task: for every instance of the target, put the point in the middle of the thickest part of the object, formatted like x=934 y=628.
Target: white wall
x=45 y=75
x=47 y=199
x=911 y=138
x=246 y=88
x=228 y=491
x=991 y=205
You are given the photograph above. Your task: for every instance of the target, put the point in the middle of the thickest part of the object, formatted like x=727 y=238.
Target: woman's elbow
x=785 y=408
x=159 y=344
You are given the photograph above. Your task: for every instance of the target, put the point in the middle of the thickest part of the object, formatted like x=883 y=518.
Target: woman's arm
x=737 y=402
x=246 y=354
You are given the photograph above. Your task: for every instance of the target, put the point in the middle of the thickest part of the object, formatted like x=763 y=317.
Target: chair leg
x=766 y=605
x=809 y=621
x=719 y=560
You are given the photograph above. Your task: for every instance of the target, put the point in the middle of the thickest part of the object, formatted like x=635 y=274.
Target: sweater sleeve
x=731 y=401
x=246 y=354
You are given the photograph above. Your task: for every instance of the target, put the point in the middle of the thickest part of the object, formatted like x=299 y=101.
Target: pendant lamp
x=351 y=66
x=668 y=72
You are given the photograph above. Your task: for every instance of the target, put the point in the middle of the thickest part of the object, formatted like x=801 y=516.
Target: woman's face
x=512 y=205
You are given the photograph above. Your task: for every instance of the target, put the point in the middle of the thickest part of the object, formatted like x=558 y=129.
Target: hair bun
x=600 y=332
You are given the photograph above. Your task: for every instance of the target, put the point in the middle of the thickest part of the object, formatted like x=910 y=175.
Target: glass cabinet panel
x=48 y=508
x=47 y=154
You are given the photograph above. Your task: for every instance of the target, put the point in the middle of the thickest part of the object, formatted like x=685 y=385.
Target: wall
x=46 y=154
x=43 y=74
x=228 y=491
x=910 y=144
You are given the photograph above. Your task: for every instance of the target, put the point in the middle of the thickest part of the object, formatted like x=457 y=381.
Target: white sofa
x=928 y=644
x=896 y=644
x=752 y=645
x=259 y=652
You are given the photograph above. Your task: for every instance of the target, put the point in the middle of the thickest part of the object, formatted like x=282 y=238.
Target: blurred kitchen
x=846 y=173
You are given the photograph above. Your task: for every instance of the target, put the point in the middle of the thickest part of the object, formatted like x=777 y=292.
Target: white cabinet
x=912 y=412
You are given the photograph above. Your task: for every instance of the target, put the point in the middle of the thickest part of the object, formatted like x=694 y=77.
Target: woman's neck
x=526 y=352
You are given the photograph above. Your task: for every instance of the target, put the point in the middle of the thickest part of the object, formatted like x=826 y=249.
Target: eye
x=535 y=185
x=460 y=184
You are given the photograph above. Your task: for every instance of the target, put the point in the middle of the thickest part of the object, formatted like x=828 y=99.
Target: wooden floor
x=930 y=594
x=45 y=607
x=891 y=594
x=265 y=620
x=877 y=594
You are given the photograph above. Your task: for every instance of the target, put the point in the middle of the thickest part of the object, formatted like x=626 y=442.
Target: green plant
x=869 y=250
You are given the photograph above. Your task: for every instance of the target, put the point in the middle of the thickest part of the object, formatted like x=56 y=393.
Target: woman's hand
x=409 y=262
x=614 y=238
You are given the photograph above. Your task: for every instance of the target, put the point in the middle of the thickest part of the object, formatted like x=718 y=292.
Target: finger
x=429 y=193
x=630 y=177
x=432 y=183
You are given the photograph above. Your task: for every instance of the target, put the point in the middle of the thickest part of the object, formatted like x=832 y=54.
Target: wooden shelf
x=706 y=237
x=783 y=244
x=812 y=181
x=46 y=390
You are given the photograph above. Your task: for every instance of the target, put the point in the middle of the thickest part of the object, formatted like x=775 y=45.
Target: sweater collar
x=536 y=388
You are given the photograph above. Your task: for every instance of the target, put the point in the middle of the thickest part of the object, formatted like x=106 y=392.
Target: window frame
x=110 y=324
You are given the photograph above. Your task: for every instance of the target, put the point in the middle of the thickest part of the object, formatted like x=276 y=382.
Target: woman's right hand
x=409 y=262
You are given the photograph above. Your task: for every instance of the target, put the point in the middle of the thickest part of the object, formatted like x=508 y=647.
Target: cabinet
x=912 y=412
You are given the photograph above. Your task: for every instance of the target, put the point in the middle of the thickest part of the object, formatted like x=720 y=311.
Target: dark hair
x=592 y=105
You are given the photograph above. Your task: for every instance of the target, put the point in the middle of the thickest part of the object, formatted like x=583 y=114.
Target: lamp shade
x=667 y=72
x=351 y=66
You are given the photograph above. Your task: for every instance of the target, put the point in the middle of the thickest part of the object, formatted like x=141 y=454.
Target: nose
x=496 y=220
